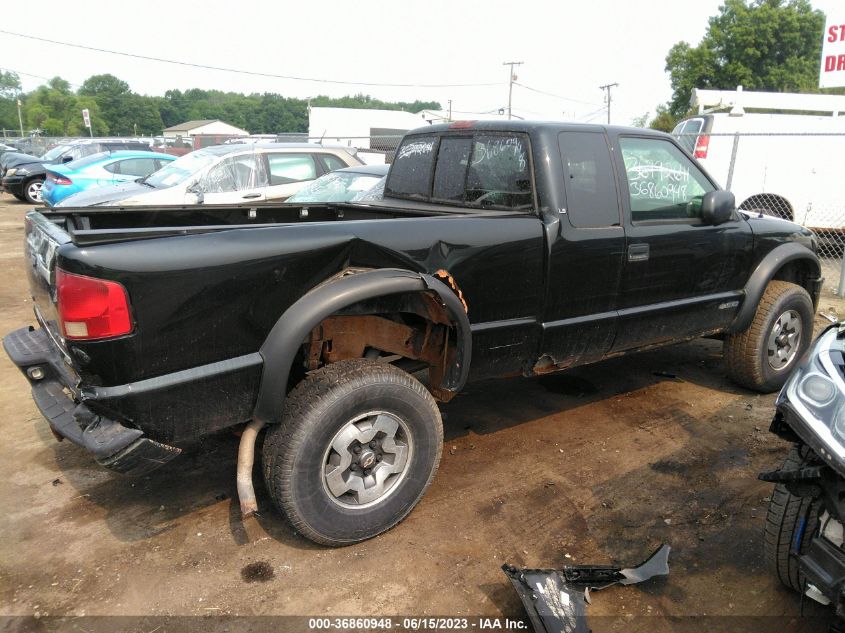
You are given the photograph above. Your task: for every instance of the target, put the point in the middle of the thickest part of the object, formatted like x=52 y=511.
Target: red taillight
x=462 y=125
x=91 y=308
x=701 y=146
x=59 y=180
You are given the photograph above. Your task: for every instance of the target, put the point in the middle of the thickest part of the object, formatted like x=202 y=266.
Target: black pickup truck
x=499 y=248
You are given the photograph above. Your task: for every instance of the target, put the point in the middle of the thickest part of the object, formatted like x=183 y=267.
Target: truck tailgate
x=43 y=238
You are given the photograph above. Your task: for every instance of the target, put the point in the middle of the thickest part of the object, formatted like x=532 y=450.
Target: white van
x=788 y=165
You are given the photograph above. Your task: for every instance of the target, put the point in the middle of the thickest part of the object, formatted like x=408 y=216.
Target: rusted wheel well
x=412 y=330
x=769 y=204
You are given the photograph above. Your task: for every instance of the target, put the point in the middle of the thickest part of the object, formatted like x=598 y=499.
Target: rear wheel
x=762 y=357
x=791 y=522
x=32 y=190
x=357 y=447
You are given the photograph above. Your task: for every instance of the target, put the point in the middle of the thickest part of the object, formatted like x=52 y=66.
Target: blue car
x=97 y=170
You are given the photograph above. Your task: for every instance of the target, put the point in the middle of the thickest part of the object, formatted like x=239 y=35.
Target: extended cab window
x=591 y=198
x=663 y=184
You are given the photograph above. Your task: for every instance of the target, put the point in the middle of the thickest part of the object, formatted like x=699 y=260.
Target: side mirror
x=67 y=159
x=717 y=207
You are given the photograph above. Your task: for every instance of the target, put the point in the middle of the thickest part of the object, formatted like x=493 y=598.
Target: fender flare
x=763 y=274
x=286 y=336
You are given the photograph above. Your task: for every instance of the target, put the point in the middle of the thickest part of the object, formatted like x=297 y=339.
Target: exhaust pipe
x=246 y=459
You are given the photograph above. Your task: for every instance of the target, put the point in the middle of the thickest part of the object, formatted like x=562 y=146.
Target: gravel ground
x=597 y=465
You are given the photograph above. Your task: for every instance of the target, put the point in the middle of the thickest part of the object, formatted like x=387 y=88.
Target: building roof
x=187 y=126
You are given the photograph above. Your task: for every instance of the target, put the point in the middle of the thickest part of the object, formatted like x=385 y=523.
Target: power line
x=551 y=94
x=20 y=72
x=241 y=71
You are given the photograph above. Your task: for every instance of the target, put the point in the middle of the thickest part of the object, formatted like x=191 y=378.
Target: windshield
x=54 y=153
x=180 y=169
x=335 y=187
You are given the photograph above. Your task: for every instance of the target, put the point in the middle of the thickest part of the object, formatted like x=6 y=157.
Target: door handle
x=249 y=196
x=638 y=252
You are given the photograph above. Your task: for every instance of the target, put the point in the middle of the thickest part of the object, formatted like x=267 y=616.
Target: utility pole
x=450 y=110
x=511 y=78
x=607 y=97
x=20 y=119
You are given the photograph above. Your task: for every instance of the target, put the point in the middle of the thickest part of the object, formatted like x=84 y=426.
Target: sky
x=569 y=49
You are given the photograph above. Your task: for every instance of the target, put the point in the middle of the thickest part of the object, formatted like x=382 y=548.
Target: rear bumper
x=56 y=393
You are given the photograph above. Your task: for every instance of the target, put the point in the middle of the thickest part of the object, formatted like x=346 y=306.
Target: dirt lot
x=600 y=465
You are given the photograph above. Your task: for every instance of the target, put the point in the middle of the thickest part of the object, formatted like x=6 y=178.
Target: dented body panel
x=227 y=302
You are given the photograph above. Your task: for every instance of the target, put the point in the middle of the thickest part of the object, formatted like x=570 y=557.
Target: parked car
x=803 y=540
x=499 y=248
x=226 y=174
x=341 y=185
x=24 y=175
x=97 y=170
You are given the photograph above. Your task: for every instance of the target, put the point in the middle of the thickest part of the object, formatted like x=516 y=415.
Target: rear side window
x=289 y=168
x=137 y=166
x=410 y=174
x=591 y=197
x=332 y=162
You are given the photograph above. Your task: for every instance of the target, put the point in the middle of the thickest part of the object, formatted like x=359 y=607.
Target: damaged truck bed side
x=500 y=248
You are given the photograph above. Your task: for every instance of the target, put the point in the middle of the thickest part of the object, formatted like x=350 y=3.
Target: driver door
x=234 y=180
x=682 y=277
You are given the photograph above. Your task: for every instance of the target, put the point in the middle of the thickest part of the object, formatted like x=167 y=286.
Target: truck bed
x=101 y=225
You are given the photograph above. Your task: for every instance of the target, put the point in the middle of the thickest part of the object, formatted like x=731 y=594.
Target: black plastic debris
x=556 y=599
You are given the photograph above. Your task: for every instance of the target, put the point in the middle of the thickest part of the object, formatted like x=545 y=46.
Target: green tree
x=771 y=45
x=10 y=87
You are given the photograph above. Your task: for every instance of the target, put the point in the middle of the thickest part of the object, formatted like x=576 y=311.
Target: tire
x=791 y=522
x=32 y=190
x=327 y=418
x=783 y=307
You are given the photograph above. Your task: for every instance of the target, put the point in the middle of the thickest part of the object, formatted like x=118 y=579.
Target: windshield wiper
x=143 y=181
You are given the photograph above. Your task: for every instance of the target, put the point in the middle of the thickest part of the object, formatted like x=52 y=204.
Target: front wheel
x=762 y=357
x=32 y=190
x=357 y=447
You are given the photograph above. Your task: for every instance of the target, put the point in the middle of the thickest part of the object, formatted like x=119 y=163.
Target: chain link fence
x=797 y=176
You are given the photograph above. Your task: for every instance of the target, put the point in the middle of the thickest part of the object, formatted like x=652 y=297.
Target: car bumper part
x=823 y=565
x=13 y=184
x=58 y=398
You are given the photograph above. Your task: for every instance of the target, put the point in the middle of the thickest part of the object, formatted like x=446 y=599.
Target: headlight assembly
x=11 y=172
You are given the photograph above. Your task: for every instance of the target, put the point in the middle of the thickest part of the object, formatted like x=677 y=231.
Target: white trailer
x=790 y=164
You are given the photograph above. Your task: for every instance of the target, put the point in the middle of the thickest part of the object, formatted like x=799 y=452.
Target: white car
x=225 y=174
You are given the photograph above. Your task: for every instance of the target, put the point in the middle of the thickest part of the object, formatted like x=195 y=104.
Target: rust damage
x=444 y=276
x=343 y=337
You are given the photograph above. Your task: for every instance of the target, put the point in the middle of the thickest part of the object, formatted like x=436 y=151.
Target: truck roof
x=531 y=126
